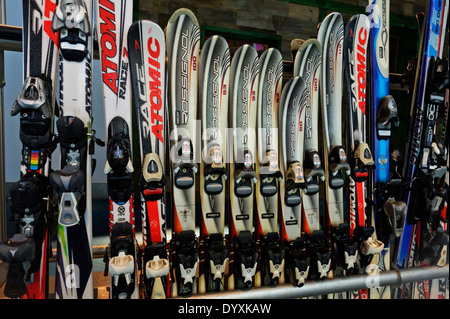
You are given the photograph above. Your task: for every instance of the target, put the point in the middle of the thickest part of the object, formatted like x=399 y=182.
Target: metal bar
x=391 y=278
x=10 y=38
x=3 y=229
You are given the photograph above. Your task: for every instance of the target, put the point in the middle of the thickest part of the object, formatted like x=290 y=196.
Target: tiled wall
x=287 y=19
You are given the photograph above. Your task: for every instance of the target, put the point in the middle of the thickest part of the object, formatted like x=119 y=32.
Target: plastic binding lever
x=320 y=252
x=387 y=114
x=274 y=256
x=119 y=166
x=215 y=172
x=313 y=171
x=153 y=181
x=246 y=259
x=121 y=265
x=217 y=254
x=35 y=108
x=337 y=163
x=186 y=169
x=368 y=245
x=156 y=270
x=71 y=20
x=244 y=176
x=295 y=181
x=269 y=174
x=187 y=263
x=17 y=252
x=347 y=248
x=395 y=212
x=69 y=182
x=299 y=261
x=362 y=162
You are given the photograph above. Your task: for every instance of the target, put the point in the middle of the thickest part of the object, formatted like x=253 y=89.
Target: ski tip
x=311 y=41
x=183 y=11
x=330 y=19
x=296 y=44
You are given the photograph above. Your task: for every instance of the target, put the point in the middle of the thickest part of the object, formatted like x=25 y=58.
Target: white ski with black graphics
x=27 y=252
x=291 y=140
x=74 y=266
x=113 y=21
x=214 y=78
x=331 y=38
x=183 y=41
x=307 y=65
x=243 y=110
x=147 y=49
x=267 y=167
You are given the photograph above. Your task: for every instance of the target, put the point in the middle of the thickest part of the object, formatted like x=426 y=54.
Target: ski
x=355 y=61
x=384 y=115
x=27 y=252
x=243 y=109
x=268 y=169
x=291 y=139
x=183 y=40
x=336 y=166
x=214 y=77
x=146 y=47
x=432 y=237
x=72 y=182
x=433 y=32
x=121 y=257
x=307 y=65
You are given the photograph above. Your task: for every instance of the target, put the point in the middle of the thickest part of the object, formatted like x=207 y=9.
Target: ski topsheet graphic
x=267 y=167
x=27 y=252
x=307 y=65
x=183 y=40
x=243 y=110
x=74 y=271
x=291 y=138
x=214 y=80
x=113 y=21
x=147 y=47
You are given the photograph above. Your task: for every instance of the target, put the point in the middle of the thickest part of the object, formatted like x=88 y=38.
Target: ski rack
x=394 y=278
x=391 y=278
x=11 y=40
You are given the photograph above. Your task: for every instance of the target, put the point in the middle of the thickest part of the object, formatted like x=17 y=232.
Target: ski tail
x=291 y=139
x=214 y=78
x=146 y=46
x=183 y=40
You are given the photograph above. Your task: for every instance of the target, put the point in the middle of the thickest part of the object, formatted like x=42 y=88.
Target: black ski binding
x=246 y=261
x=186 y=261
x=216 y=261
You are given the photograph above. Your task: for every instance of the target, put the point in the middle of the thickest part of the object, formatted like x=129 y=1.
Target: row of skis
x=262 y=181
